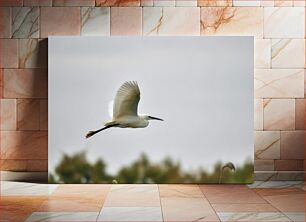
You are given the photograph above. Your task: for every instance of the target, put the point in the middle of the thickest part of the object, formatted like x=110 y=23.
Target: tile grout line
x=161 y=208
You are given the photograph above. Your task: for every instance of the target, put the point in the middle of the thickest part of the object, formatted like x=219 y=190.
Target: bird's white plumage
x=126 y=100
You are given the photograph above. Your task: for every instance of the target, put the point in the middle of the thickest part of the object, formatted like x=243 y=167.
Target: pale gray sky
x=201 y=86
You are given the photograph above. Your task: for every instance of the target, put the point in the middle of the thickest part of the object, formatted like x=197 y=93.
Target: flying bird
x=125 y=110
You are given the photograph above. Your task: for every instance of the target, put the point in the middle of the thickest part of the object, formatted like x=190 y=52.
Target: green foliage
x=77 y=169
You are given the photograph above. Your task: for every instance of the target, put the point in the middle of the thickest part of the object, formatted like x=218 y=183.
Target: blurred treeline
x=77 y=169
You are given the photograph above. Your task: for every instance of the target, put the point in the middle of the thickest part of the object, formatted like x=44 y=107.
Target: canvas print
x=150 y=110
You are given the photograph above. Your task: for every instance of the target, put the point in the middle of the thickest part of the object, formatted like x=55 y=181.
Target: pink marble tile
x=28 y=114
x=43 y=117
x=51 y=17
x=267 y=3
x=300 y=114
x=264 y=165
x=24 y=145
x=25 y=83
x=207 y=3
x=13 y=165
x=292 y=144
x=1 y=83
x=37 y=2
x=8 y=114
x=267 y=144
x=8 y=53
x=126 y=21
x=284 y=3
x=232 y=21
x=5 y=22
x=37 y=165
x=179 y=190
x=279 y=114
x=262 y=207
x=258 y=114
x=4 y=3
x=118 y=2
x=73 y=2
x=230 y=194
x=289 y=165
x=32 y=53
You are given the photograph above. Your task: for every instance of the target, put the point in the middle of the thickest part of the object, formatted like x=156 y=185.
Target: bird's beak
x=155 y=118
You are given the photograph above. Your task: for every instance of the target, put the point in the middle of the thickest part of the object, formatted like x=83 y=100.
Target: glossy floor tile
x=26 y=189
x=63 y=216
x=130 y=214
x=180 y=190
x=295 y=216
x=251 y=216
x=232 y=207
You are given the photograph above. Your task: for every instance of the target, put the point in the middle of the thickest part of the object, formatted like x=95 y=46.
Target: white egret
x=125 y=110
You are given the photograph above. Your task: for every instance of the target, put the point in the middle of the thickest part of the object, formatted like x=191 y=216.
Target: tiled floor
x=271 y=201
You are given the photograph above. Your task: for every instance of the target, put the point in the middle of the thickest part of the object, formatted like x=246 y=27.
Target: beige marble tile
x=123 y=3
x=246 y=3
x=187 y=209
x=279 y=114
x=253 y=216
x=8 y=53
x=133 y=196
x=23 y=144
x=186 y=3
x=279 y=83
x=32 y=53
x=37 y=165
x=300 y=114
x=171 y=21
x=262 y=53
x=73 y=2
x=163 y=3
x=299 y=3
x=25 y=22
x=37 y=2
x=266 y=3
x=232 y=21
x=179 y=190
x=43 y=114
x=262 y=207
x=264 y=165
x=267 y=144
x=5 y=22
x=126 y=21
x=51 y=17
x=27 y=114
x=212 y=3
x=146 y=3
x=258 y=114
x=292 y=144
x=25 y=83
x=288 y=53
x=8 y=114
x=283 y=3
x=278 y=22
x=95 y=21
x=289 y=165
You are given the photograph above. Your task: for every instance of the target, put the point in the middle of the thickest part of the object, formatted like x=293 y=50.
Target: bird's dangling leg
x=91 y=133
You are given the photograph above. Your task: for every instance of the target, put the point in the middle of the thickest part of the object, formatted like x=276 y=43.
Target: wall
x=278 y=26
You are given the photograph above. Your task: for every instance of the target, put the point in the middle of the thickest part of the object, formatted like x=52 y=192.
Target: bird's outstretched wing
x=126 y=100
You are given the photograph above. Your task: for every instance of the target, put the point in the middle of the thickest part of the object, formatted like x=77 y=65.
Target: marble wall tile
x=279 y=176
x=130 y=214
x=279 y=83
x=28 y=114
x=23 y=144
x=288 y=53
x=5 y=3
x=37 y=165
x=246 y=3
x=8 y=53
x=267 y=3
x=51 y=17
x=163 y=3
x=264 y=165
x=278 y=22
x=25 y=83
x=8 y=114
x=284 y=3
x=123 y=3
x=171 y=21
x=292 y=144
x=25 y=22
x=146 y=3
x=299 y=3
x=179 y=190
x=1 y=83
x=258 y=114
x=43 y=114
x=37 y=2
x=304 y=83
x=279 y=114
x=262 y=53
x=5 y=22
x=212 y=3
x=126 y=21
x=187 y=209
x=13 y=165
x=267 y=144
x=95 y=21
x=33 y=53
x=63 y=216
x=289 y=165
x=73 y=2
x=186 y=3
x=300 y=114
x=232 y=21
x=254 y=216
